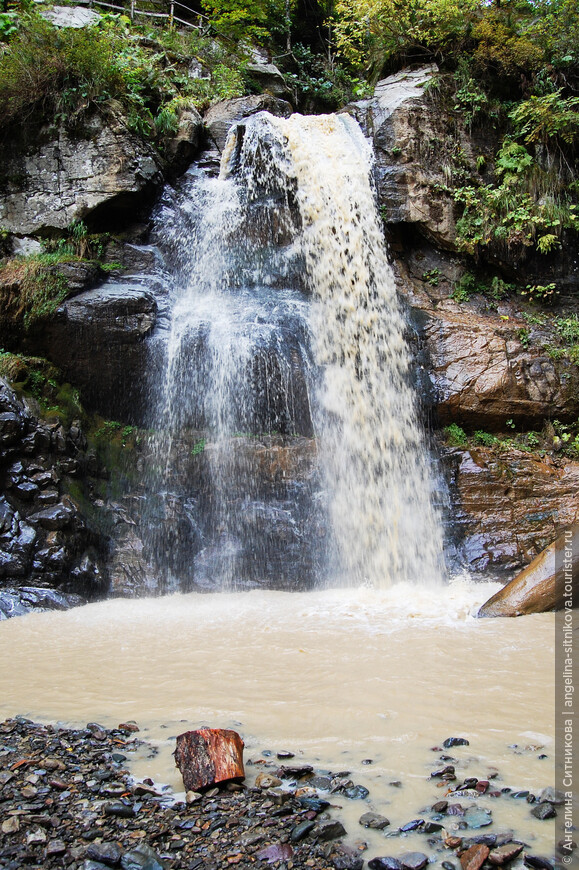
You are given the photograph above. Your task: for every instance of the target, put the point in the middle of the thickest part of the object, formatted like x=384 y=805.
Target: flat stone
x=356 y=792
x=56 y=847
x=106 y=853
x=385 y=863
x=477 y=818
x=119 y=810
x=302 y=830
x=474 y=857
x=544 y=811
x=374 y=820
x=142 y=858
x=413 y=860
x=455 y=741
x=411 y=826
x=537 y=862
x=329 y=830
x=504 y=854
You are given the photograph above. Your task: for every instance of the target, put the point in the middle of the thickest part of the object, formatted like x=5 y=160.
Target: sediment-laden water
x=337 y=677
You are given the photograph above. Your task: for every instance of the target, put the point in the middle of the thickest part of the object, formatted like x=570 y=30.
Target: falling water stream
x=285 y=320
x=290 y=456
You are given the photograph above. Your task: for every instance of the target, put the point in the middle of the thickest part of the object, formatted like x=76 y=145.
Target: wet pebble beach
x=68 y=800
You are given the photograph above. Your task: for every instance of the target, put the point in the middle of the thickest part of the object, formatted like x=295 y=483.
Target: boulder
x=507 y=507
x=60 y=179
x=209 y=756
x=116 y=318
x=183 y=146
x=268 y=78
x=414 y=141
x=221 y=117
x=541 y=586
x=70 y=16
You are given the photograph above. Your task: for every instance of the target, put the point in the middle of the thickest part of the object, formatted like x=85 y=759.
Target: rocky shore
x=68 y=801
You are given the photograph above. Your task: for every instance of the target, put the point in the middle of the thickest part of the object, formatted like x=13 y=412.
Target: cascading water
x=286 y=324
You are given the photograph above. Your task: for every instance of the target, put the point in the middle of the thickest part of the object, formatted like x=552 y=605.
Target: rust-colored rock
x=474 y=858
x=483 y=375
x=540 y=587
x=209 y=756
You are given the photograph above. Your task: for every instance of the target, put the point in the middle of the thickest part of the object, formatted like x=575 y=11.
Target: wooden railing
x=160 y=9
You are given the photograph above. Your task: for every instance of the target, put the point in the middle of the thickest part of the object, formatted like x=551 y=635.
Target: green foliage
x=239 y=19
x=373 y=33
x=540 y=292
x=455 y=436
x=468 y=284
x=37 y=378
x=432 y=277
x=541 y=119
x=504 y=48
x=524 y=336
x=485 y=438
x=8 y=25
x=198 y=447
x=30 y=290
x=61 y=72
x=318 y=82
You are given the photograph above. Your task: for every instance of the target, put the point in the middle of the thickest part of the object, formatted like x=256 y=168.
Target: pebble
x=356 y=792
x=455 y=741
x=411 y=826
x=474 y=857
x=537 y=862
x=374 y=820
x=141 y=858
x=544 y=811
x=385 y=864
x=413 y=860
x=477 y=818
x=505 y=854
x=106 y=853
x=329 y=829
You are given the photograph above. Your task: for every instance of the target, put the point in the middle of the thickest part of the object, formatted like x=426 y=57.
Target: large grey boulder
x=221 y=117
x=269 y=78
x=414 y=148
x=47 y=186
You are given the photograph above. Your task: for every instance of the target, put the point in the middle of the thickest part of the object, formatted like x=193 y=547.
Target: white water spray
x=372 y=449
x=287 y=319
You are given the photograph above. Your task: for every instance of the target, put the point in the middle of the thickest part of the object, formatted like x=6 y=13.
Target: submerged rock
x=541 y=586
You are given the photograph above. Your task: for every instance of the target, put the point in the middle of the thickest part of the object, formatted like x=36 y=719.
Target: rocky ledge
x=68 y=800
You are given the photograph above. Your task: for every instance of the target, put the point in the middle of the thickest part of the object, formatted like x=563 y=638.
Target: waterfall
x=285 y=324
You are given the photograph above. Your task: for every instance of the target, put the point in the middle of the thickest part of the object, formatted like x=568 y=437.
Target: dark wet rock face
x=508 y=507
x=115 y=318
x=48 y=555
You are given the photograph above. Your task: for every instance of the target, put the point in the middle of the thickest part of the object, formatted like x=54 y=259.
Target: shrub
x=50 y=72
